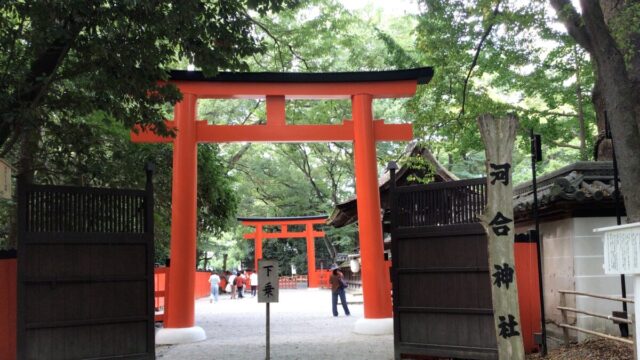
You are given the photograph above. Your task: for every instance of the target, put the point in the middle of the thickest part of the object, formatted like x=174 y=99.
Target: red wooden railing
x=323 y=278
x=160 y=280
x=202 y=288
x=301 y=281
x=161 y=277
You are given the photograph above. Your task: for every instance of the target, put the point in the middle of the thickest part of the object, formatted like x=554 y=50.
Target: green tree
x=500 y=57
x=608 y=30
x=95 y=151
x=78 y=74
x=300 y=179
x=72 y=58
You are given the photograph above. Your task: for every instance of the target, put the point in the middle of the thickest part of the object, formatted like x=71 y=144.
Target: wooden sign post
x=268 y=291
x=498 y=136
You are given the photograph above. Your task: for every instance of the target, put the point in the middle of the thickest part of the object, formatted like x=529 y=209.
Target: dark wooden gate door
x=441 y=281
x=85 y=273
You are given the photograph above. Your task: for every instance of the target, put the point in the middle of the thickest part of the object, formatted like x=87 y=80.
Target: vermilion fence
x=526 y=262
x=160 y=291
x=8 y=310
x=202 y=288
x=202 y=284
x=161 y=274
x=323 y=276
x=301 y=281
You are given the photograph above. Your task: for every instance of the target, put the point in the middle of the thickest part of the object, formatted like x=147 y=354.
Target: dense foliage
x=547 y=82
x=74 y=84
x=502 y=57
x=77 y=75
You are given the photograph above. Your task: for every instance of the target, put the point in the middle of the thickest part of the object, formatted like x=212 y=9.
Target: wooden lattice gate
x=441 y=280
x=85 y=272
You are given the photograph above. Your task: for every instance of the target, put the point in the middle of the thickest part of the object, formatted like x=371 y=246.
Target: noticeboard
x=268 y=281
x=621 y=249
x=5 y=179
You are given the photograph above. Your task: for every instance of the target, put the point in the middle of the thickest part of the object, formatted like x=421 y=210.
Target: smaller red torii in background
x=309 y=233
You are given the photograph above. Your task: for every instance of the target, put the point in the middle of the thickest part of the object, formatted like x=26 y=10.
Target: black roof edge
x=422 y=75
x=283 y=218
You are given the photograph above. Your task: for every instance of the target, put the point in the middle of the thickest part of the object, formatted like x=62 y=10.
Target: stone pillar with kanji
x=498 y=135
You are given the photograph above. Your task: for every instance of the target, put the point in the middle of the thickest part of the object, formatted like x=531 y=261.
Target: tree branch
x=40 y=76
x=545 y=112
x=237 y=156
x=564 y=145
x=278 y=43
x=243 y=150
x=12 y=50
x=8 y=145
x=484 y=37
x=305 y=167
x=574 y=23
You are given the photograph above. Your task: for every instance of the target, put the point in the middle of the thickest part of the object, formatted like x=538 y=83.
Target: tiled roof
x=583 y=183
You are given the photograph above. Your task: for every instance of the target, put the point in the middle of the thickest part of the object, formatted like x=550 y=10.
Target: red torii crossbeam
x=360 y=87
x=309 y=233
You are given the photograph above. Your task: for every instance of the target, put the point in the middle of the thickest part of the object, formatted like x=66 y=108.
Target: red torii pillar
x=360 y=87
x=309 y=234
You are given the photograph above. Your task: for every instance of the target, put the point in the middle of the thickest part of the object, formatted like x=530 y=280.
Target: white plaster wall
x=589 y=276
x=557 y=268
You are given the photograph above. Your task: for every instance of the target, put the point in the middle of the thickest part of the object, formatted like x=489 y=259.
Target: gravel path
x=302 y=327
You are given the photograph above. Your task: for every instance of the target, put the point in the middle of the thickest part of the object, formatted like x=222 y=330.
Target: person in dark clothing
x=337 y=289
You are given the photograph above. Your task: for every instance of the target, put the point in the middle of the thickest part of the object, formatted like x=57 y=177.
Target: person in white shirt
x=232 y=281
x=214 y=280
x=253 y=278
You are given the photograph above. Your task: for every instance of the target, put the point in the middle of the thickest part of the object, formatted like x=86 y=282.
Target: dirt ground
x=302 y=327
x=592 y=349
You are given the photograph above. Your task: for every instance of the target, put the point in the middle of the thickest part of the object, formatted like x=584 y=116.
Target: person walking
x=232 y=282
x=214 y=281
x=337 y=289
x=223 y=282
x=253 y=278
x=240 y=280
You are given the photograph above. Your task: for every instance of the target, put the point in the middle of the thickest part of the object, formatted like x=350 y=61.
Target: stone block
x=588 y=265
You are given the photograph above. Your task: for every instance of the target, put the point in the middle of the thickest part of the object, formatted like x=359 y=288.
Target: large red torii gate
x=360 y=87
x=309 y=233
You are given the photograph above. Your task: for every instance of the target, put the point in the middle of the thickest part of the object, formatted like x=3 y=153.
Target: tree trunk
x=619 y=99
x=603 y=150
x=330 y=248
x=498 y=136
x=582 y=128
x=618 y=87
x=29 y=147
x=199 y=258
